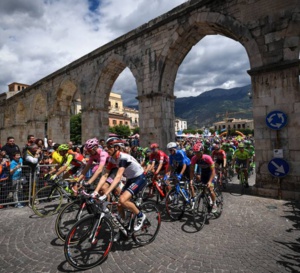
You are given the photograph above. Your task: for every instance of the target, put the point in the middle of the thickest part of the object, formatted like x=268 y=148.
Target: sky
x=38 y=37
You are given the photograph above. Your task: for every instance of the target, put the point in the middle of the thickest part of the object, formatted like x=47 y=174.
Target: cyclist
x=241 y=157
x=250 y=149
x=229 y=154
x=179 y=163
x=206 y=165
x=219 y=156
x=71 y=163
x=97 y=155
x=134 y=173
x=159 y=161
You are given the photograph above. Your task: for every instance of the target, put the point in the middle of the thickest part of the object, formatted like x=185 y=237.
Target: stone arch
x=64 y=97
x=21 y=113
x=39 y=108
x=112 y=68
x=190 y=33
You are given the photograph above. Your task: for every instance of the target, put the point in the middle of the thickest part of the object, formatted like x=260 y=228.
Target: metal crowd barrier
x=17 y=192
x=20 y=192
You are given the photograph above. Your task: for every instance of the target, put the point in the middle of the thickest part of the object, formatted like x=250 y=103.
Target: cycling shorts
x=220 y=162
x=135 y=185
x=239 y=162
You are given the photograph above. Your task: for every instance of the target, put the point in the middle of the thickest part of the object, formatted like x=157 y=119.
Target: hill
x=211 y=106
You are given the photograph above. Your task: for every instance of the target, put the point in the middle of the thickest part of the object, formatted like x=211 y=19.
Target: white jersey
x=132 y=167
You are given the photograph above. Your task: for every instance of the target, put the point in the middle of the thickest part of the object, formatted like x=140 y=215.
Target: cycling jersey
x=56 y=158
x=218 y=154
x=179 y=159
x=74 y=158
x=100 y=157
x=206 y=164
x=132 y=168
x=159 y=157
x=241 y=155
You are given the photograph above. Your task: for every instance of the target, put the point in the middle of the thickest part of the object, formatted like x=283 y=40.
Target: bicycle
x=203 y=205
x=178 y=198
x=242 y=178
x=156 y=187
x=48 y=200
x=91 y=238
x=73 y=212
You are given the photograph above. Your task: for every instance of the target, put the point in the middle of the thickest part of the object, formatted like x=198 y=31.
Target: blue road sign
x=278 y=167
x=276 y=120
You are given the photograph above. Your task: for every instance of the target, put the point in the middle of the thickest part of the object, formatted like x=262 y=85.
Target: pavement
x=253 y=234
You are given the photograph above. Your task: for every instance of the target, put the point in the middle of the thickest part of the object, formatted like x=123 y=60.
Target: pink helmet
x=154 y=145
x=91 y=143
x=198 y=147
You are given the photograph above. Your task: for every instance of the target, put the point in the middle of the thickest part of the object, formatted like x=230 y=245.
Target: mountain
x=211 y=106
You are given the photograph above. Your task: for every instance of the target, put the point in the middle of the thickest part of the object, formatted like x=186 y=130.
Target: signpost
x=276 y=120
x=278 y=167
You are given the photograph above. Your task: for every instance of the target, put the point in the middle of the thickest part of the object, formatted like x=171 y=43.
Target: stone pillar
x=94 y=123
x=59 y=128
x=156 y=112
x=277 y=88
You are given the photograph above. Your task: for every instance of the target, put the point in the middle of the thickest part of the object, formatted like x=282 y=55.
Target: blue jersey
x=179 y=159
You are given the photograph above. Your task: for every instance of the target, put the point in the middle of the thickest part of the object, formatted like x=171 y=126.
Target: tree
x=136 y=130
x=121 y=130
x=75 y=128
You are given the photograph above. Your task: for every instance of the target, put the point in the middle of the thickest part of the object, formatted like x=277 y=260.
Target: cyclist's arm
x=96 y=173
x=150 y=167
x=183 y=169
x=66 y=165
x=84 y=171
x=212 y=175
x=159 y=166
x=102 y=180
x=192 y=171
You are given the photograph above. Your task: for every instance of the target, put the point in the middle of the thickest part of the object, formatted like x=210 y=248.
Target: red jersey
x=218 y=154
x=158 y=157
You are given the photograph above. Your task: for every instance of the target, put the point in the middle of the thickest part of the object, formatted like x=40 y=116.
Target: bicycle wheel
x=151 y=225
x=47 y=201
x=175 y=205
x=200 y=212
x=81 y=250
x=68 y=216
x=219 y=202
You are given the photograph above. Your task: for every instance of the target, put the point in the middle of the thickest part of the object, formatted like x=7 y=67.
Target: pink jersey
x=100 y=157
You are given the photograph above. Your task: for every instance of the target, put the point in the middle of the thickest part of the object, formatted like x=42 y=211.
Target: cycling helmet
x=172 y=145
x=110 y=139
x=154 y=145
x=241 y=145
x=116 y=142
x=91 y=143
x=247 y=142
x=63 y=147
x=198 y=147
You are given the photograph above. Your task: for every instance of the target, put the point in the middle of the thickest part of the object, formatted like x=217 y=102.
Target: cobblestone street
x=253 y=234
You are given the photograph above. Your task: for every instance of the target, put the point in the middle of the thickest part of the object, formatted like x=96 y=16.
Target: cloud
x=39 y=37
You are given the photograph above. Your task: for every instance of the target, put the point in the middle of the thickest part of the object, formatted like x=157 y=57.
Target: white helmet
x=172 y=145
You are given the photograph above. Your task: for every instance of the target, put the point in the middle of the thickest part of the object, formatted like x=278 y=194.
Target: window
x=121 y=122
x=243 y=126
x=114 y=122
x=116 y=105
x=19 y=87
x=126 y=123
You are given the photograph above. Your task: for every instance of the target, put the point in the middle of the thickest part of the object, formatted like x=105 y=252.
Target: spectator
x=70 y=145
x=32 y=157
x=50 y=145
x=16 y=175
x=40 y=143
x=4 y=180
x=30 y=141
x=10 y=147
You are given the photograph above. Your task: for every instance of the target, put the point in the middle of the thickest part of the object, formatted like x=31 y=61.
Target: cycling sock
x=140 y=214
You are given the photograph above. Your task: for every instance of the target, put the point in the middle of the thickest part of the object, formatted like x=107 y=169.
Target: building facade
x=180 y=124
x=233 y=123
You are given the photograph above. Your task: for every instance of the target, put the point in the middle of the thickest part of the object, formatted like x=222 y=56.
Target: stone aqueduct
x=268 y=30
